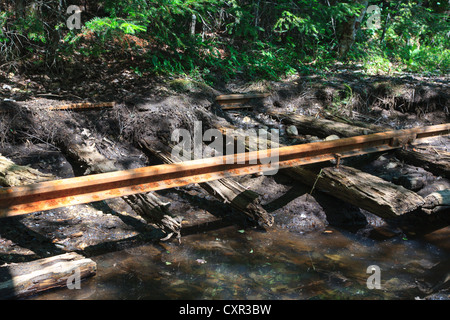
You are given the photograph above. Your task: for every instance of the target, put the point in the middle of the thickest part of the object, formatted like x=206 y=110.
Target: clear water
x=229 y=263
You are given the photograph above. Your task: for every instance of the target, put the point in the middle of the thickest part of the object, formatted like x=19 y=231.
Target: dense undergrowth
x=212 y=40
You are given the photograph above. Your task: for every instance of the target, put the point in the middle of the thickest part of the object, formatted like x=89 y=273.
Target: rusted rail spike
x=61 y=193
x=233 y=99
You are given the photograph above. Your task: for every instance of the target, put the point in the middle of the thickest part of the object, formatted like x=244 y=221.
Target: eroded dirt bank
x=33 y=136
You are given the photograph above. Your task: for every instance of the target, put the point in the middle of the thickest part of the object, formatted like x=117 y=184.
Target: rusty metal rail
x=60 y=193
x=233 y=99
x=83 y=106
x=77 y=106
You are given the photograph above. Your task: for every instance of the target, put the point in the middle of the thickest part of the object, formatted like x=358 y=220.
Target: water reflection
x=229 y=263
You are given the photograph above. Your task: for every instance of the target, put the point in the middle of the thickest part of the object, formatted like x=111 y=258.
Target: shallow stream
x=231 y=263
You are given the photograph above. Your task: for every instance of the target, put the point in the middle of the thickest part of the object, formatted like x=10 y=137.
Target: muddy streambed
x=319 y=248
x=231 y=263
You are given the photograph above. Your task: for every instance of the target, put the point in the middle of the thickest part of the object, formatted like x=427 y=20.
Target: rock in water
x=303 y=214
x=292 y=130
x=332 y=137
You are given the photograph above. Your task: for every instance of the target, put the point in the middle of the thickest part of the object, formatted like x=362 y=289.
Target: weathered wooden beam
x=361 y=189
x=225 y=190
x=76 y=106
x=237 y=96
x=29 y=278
x=83 y=106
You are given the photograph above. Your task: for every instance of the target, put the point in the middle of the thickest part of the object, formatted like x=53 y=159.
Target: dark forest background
x=220 y=39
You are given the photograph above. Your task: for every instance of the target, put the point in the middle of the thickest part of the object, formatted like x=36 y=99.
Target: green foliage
x=245 y=38
x=289 y=20
x=413 y=38
x=107 y=27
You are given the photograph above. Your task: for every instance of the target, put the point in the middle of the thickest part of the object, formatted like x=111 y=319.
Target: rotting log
x=12 y=174
x=320 y=127
x=147 y=205
x=29 y=278
x=361 y=189
x=225 y=190
x=438 y=201
x=371 y=127
x=83 y=150
x=438 y=164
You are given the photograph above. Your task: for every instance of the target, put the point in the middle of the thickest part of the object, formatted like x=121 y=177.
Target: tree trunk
x=19 y=8
x=320 y=127
x=193 y=23
x=29 y=278
x=349 y=29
